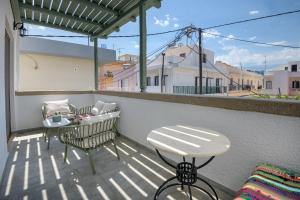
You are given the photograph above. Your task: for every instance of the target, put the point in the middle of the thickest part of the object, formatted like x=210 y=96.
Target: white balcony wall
x=28 y=113
x=255 y=137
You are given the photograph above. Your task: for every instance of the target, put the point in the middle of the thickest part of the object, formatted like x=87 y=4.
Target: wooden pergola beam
x=42 y=23
x=58 y=14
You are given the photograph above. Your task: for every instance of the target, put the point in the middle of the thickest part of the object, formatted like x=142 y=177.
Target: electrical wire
x=251 y=41
x=252 y=19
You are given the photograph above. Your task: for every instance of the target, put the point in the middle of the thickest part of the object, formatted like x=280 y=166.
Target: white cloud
x=252 y=38
x=136 y=45
x=211 y=33
x=166 y=21
x=176 y=25
x=236 y=55
x=229 y=37
x=253 y=12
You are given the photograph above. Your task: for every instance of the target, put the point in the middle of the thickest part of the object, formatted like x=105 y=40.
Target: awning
x=97 y=18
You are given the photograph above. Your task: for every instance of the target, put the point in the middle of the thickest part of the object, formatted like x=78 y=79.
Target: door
x=7 y=84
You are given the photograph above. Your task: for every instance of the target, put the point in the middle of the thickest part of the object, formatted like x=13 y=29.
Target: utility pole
x=162 y=72
x=200 y=60
x=265 y=62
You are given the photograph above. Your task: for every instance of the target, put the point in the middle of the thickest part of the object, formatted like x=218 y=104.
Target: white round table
x=49 y=124
x=187 y=141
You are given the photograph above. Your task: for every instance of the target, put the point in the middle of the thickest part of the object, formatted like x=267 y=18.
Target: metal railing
x=205 y=90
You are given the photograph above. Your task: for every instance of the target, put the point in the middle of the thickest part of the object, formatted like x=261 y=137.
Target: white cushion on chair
x=108 y=107
x=95 y=111
x=99 y=118
x=61 y=106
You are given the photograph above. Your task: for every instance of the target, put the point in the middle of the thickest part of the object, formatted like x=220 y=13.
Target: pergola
x=96 y=18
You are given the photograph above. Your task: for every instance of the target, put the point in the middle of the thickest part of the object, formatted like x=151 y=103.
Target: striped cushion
x=272 y=183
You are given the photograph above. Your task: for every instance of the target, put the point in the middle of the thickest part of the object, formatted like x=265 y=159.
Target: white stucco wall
x=28 y=108
x=44 y=72
x=6 y=22
x=255 y=137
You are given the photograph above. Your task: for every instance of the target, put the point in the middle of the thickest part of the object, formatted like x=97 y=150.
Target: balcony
x=259 y=130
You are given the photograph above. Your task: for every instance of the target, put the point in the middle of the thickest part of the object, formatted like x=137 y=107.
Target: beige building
x=181 y=74
x=240 y=79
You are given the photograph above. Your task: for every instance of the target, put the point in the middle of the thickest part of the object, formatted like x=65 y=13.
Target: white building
x=181 y=73
x=284 y=80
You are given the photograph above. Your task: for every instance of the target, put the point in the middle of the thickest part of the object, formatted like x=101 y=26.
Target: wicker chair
x=71 y=106
x=89 y=137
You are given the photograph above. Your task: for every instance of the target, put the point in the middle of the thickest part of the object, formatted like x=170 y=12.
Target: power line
x=252 y=19
x=251 y=41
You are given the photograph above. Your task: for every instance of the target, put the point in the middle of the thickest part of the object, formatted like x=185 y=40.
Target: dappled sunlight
x=76 y=154
x=27 y=151
x=44 y=194
x=149 y=169
x=62 y=191
x=187 y=134
x=102 y=193
x=200 y=131
x=122 y=150
x=140 y=190
x=9 y=180
x=81 y=192
x=27 y=137
x=142 y=176
x=138 y=175
x=129 y=147
x=167 y=146
x=117 y=186
x=15 y=156
x=175 y=138
x=26 y=174
x=57 y=175
x=110 y=151
x=42 y=178
x=157 y=164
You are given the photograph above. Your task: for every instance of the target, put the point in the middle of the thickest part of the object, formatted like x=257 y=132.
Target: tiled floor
x=33 y=172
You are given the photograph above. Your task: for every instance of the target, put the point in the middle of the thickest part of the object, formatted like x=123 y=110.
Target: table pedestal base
x=186 y=175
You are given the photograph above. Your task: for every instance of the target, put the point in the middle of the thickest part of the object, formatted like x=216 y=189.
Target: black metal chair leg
x=190 y=192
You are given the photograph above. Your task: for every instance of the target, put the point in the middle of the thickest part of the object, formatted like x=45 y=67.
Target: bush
x=297 y=98
x=264 y=96
x=282 y=97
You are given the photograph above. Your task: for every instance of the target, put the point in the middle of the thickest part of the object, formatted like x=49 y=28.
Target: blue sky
x=174 y=14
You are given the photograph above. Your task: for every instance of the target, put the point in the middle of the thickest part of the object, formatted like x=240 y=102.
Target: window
x=182 y=55
x=148 y=81
x=296 y=84
x=156 y=80
x=268 y=84
x=294 y=68
x=231 y=81
x=286 y=68
x=204 y=58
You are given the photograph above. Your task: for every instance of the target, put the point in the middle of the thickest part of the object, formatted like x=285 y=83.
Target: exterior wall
x=54 y=65
x=6 y=21
x=28 y=108
x=255 y=137
x=44 y=72
x=106 y=83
